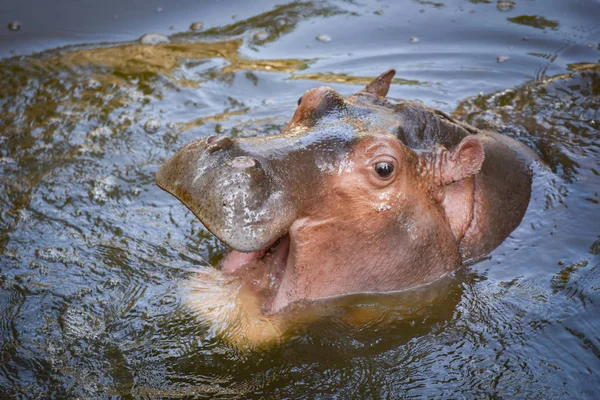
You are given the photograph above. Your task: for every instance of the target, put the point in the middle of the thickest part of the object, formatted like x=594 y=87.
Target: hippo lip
x=236 y=260
x=263 y=269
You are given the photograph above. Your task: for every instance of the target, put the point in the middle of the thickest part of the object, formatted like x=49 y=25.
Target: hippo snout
x=228 y=186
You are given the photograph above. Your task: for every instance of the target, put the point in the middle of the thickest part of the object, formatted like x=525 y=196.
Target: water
x=93 y=254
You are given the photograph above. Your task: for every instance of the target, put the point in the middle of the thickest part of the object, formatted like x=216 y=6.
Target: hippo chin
x=355 y=195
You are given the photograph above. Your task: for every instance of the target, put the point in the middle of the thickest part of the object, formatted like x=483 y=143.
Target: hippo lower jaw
x=263 y=270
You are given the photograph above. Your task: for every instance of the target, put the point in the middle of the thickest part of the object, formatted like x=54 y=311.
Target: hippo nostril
x=243 y=162
x=211 y=139
x=217 y=143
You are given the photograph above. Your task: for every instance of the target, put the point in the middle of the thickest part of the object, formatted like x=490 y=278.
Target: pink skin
x=234 y=262
x=368 y=233
x=261 y=271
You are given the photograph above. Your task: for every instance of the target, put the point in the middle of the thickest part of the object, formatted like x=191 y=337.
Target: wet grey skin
x=248 y=191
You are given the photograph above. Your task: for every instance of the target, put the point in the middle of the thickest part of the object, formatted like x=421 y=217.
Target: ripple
x=79 y=324
x=77 y=176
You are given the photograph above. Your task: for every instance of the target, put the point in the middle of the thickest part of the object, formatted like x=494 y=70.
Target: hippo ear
x=380 y=85
x=463 y=161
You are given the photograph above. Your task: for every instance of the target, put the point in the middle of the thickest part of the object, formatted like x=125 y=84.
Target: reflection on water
x=94 y=257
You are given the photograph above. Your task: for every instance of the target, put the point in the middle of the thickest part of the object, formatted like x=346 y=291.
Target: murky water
x=93 y=253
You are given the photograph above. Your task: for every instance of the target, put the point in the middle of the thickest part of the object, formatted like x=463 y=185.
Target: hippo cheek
x=337 y=254
x=361 y=240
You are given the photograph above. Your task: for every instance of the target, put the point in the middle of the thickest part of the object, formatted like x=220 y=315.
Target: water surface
x=93 y=253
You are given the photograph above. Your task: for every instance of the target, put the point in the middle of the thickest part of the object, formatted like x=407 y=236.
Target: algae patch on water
x=164 y=58
x=535 y=21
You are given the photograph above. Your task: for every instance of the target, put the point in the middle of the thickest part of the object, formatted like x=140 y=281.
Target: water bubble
x=261 y=35
x=14 y=26
x=103 y=188
x=7 y=160
x=101 y=131
x=152 y=126
x=56 y=254
x=324 y=38
x=196 y=26
x=382 y=207
x=501 y=59
x=413 y=39
x=12 y=254
x=505 y=5
x=25 y=215
x=92 y=84
x=154 y=38
x=81 y=293
x=112 y=283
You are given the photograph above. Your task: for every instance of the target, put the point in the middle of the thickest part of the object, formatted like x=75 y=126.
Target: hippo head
x=350 y=197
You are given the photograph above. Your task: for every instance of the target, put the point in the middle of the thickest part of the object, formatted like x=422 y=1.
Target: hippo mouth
x=262 y=270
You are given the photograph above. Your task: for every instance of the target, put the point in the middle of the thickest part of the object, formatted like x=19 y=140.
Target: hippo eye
x=384 y=169
x=300 y=100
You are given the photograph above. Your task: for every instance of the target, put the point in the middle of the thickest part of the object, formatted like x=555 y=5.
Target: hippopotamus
x=355 y=195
